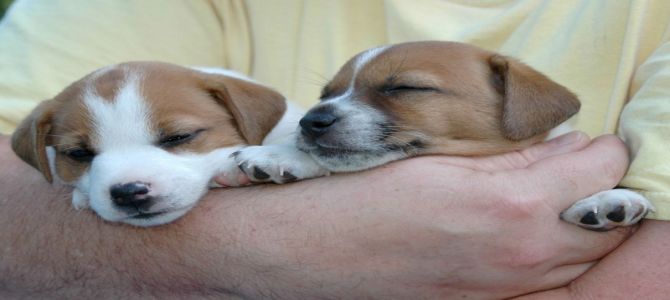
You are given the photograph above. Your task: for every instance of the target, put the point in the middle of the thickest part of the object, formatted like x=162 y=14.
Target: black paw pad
x=288 y=177
x=589 y=219
x=618 y=214
x=259 y=174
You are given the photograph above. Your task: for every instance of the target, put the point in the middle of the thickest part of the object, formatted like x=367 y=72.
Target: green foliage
x=4 y=4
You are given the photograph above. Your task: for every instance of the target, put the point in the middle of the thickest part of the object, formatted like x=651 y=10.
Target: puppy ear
x=29 y=140
x=532 y=103
x=255 y=108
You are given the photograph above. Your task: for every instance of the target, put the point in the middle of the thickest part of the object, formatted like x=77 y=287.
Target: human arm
x=427 y=227
x=638 y=269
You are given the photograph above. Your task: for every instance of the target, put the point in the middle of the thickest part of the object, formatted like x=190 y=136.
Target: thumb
x=570 y=142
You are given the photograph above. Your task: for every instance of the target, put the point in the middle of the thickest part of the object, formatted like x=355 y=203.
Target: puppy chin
x=170 y=205
x=161 y=219
x=349 y=160
x=147 y=219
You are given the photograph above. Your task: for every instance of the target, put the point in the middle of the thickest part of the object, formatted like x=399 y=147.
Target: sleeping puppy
x=141 y=141
x=403 y=100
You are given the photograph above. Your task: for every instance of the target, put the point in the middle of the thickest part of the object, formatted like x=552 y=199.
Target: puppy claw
x=277 y=163
x=608 y=209
x=288 y=177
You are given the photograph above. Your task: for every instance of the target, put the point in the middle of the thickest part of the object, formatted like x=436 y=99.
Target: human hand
x=438 y=227
x=430 y=227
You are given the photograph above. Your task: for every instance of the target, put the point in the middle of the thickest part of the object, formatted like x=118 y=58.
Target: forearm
x=638 y=269
x=292 y=240
x=51 y=250
x=387 y=233
x=246 y=242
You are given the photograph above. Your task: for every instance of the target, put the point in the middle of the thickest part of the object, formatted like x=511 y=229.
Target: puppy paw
x=608 y=209
x=277 y=163
x=79 y=200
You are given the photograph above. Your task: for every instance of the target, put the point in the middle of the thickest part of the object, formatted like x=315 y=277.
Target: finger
x=567 y=178
x=566 y=143
x=569 y=142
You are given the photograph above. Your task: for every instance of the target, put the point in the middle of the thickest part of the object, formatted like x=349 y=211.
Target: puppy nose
x=131 y=194
x=317 y=123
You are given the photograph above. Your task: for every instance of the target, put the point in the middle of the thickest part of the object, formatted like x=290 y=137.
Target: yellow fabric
x=608 y=52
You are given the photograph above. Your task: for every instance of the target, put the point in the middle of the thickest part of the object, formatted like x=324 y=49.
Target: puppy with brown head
x=420 y=98
x=141 y=141
x=430 y=98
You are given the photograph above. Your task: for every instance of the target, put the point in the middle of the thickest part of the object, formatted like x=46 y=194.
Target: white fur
x=285 y=130
x=281 y=157
x=126 y=153
x=634 y=205
x=229 y=73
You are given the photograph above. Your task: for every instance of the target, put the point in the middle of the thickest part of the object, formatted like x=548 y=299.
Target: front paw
x=278 y=164
x=608 y=209
x=79 y=200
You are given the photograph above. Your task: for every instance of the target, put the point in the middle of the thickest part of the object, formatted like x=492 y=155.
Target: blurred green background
x=3 y=6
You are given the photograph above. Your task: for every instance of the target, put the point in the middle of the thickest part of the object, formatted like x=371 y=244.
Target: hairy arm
x=433 y=227
x=638 y=269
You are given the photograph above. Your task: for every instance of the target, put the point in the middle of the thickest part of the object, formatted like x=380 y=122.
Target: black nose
x=133 y=195
x=316 y=123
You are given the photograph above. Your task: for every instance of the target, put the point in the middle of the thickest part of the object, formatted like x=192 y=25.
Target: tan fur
x=228 y=111
x=472 y=113
x=532 y=103
x=30 y=138
x=256 y=109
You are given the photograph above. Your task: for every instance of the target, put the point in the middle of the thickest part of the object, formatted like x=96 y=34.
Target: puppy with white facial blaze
x=421 y=98
x=141 y=141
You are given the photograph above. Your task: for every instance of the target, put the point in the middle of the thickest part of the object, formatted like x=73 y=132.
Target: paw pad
x=618 y=214
x=608 y=209
x=589 y=219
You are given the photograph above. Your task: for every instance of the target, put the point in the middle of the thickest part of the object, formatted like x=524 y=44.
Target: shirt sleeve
x=645 y=127
x=45 y=45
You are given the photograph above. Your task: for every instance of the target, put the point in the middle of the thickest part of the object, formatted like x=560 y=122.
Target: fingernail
x=568 y=138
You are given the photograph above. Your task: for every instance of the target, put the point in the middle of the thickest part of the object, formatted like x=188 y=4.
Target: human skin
x=638 y=269
x=425 y=228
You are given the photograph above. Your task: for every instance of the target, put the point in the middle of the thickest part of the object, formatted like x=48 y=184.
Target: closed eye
x=80 y=154
x=396 y=89
x=178 y=139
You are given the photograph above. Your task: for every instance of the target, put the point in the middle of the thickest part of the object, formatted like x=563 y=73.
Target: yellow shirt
x=615 y=55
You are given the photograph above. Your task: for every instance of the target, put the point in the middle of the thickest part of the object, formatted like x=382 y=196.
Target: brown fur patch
x=339 y=84
x=224 y=111
x=532 y=103
x=255 y=108
x=460 y=112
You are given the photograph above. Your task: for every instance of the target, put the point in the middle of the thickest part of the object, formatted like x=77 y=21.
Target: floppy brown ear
x=255 y=108
x=532 y=103
x=29 y=140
